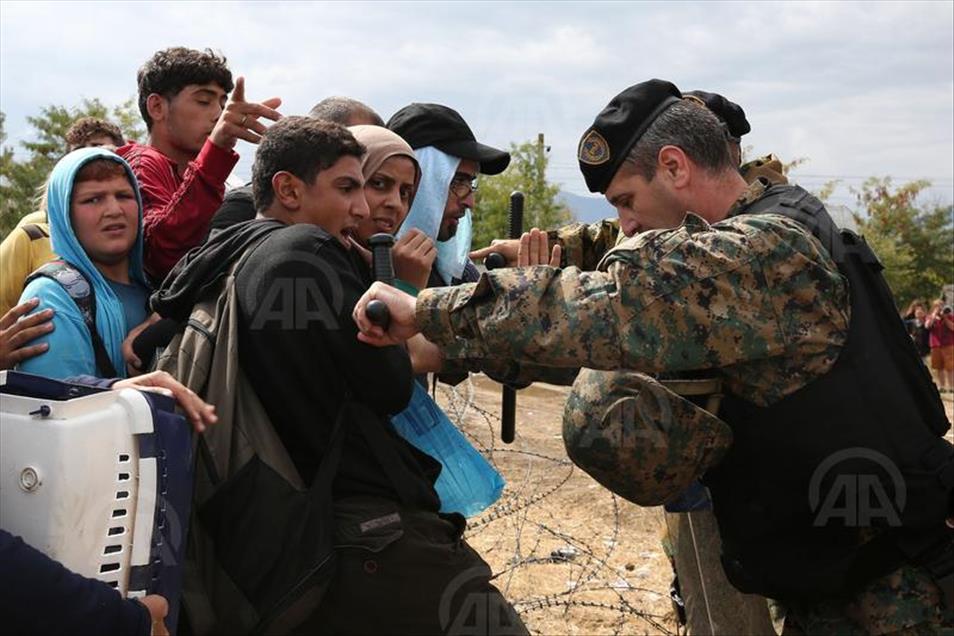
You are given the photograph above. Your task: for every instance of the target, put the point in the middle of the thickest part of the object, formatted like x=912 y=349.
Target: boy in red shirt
x=192 y=132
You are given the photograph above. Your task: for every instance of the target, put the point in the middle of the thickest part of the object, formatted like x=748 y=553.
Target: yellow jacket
x=25 y=249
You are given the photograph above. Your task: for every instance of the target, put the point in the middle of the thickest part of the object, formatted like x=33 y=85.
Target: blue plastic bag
x=468 y=484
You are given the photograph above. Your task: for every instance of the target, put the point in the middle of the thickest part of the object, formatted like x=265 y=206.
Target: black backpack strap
x=75 y=284
x=372 y=429
x=35 y=232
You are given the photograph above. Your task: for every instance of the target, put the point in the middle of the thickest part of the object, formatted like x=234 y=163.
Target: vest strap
x=79 y=289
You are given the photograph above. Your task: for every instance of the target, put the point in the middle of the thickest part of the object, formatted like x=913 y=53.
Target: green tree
x=913 y=240
x=21 y=177
x=527 y=173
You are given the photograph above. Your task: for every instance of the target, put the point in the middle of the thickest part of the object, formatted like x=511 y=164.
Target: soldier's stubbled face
x=643 y=204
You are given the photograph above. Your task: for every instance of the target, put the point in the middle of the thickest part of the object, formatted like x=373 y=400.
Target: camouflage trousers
x=906 y=601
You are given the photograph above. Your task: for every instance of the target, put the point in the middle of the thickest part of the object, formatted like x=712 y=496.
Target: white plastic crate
x=72 y=483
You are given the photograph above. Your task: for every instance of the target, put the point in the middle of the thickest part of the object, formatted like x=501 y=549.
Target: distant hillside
x=587 y=209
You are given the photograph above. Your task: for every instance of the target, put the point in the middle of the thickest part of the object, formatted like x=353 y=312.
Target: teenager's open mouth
x=114 y=227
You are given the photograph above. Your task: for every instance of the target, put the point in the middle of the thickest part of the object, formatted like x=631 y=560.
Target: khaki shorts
x=942 y=358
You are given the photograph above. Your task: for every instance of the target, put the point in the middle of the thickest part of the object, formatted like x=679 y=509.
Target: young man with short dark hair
x=91 y=132
x=192 y=132
x=238 y=204
x=298 y=348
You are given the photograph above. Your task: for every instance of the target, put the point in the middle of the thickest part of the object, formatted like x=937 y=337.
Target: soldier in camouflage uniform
x=583 y=245
x=752 y=284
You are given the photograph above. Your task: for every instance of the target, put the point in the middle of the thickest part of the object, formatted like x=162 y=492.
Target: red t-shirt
x=941 y=334
x=177 y=209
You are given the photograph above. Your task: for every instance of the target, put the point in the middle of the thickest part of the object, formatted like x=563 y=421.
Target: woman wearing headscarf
x=391 y=178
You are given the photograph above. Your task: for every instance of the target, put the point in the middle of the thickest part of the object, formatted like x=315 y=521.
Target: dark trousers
x=405 y=571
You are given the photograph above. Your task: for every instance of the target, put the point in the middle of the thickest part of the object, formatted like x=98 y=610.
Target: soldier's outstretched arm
x=689 y=298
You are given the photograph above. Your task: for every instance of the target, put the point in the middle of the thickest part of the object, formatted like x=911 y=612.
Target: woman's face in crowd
x=388 y=192
x=105 y=218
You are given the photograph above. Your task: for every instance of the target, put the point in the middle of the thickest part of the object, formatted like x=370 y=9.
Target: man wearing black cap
x=450 y=158
x=835 y=495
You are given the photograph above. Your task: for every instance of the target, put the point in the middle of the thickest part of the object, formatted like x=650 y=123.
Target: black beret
x=619 y=126
x=422 y=125
x=729 y=113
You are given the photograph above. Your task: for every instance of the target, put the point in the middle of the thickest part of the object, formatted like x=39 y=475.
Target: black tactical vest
x=849 y=477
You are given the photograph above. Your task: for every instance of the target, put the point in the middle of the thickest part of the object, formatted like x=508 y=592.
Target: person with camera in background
x=940 y=326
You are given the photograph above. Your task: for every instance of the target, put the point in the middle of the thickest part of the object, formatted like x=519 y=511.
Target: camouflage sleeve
x=753 y=289
x=510 y=371
x=584 y=245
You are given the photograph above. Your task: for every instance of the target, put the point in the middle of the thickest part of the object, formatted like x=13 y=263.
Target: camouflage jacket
x=755 y=298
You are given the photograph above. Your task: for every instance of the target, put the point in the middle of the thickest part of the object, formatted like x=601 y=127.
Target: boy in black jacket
x=402 y=566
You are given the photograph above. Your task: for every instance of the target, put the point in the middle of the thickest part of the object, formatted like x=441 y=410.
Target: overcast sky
x=860 y=89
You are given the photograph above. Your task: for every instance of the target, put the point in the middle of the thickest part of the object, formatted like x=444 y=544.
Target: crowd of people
x=754 y=285
x=932 y=331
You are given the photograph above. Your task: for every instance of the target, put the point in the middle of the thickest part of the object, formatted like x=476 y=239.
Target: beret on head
x=637 y=437
x=728 y=112
x=619 y=126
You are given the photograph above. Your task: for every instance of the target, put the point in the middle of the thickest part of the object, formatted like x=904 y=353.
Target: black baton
x=381 y=244
x=508 y=405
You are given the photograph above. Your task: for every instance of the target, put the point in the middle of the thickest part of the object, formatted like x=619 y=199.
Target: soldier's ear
x=673 y=165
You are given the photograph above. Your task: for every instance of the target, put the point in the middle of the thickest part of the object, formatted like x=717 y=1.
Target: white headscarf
x=437 y=171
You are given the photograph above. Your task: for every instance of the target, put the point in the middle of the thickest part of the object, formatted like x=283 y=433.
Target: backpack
x=77 y=286
x=260 y=554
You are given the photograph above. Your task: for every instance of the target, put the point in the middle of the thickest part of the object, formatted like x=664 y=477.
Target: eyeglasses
x=462 y=185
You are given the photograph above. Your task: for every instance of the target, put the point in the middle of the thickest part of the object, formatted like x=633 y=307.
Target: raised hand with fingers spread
x=240 y=119
x=534 y=250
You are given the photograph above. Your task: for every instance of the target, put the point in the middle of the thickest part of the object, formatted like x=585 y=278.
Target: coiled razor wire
x=516 y=505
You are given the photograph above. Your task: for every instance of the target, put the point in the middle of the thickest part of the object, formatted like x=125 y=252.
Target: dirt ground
x=572 y=557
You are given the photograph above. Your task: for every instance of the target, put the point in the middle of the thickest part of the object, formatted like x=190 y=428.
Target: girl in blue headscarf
x=95 y=216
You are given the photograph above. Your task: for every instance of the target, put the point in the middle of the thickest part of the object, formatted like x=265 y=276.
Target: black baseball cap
x=619 y=126
x=423 y=125
x=728 y=112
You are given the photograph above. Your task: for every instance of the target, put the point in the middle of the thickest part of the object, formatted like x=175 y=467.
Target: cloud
x=859 y=88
